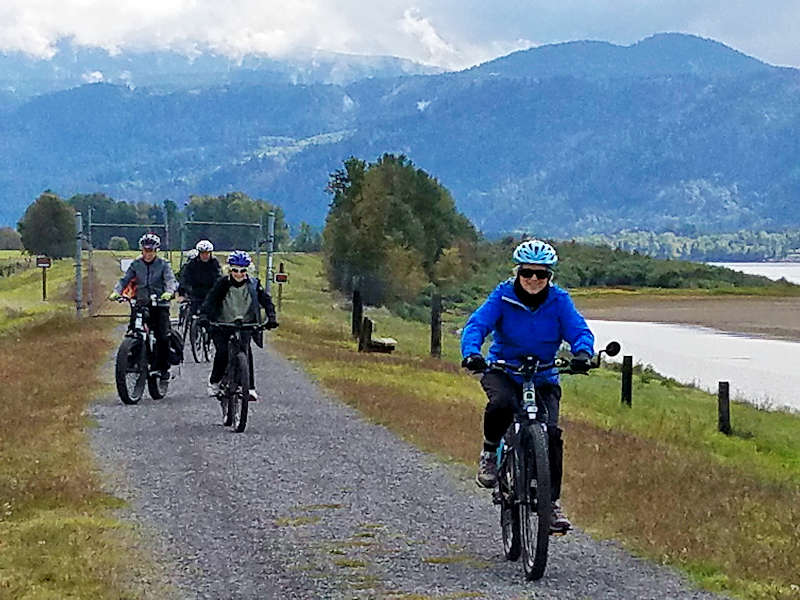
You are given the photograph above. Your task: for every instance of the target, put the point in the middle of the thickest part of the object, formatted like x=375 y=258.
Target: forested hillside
x=675 y=134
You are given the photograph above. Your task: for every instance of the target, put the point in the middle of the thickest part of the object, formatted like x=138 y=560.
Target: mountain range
x=673 y=133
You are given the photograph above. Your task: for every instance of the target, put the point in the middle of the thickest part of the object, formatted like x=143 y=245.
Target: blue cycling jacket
x=519 y=331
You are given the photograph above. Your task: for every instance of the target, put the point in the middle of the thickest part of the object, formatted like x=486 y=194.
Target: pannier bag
x=175 y=347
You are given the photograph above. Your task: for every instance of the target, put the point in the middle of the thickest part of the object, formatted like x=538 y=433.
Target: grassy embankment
x=58 y=536
x=657 y=477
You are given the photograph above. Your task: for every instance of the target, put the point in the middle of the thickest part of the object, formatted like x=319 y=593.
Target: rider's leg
x=502 y=392
x=220 y=340
x=159 y=324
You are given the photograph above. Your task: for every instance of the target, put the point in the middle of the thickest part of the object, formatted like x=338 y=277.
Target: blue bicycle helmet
x=535 y=252
x=239 y=258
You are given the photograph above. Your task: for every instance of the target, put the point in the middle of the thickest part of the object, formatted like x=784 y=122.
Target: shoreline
x=775 y=318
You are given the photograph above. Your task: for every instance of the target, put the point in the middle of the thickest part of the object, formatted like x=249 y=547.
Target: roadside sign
x=45 y=262
x=281 y=278
x=124 y=263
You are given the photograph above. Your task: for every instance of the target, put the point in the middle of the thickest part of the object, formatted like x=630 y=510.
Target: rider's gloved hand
x=271 y=324
x=581 y=361
x=114 y=296
x=202 y=320
x=166 y=296
x=474 y=363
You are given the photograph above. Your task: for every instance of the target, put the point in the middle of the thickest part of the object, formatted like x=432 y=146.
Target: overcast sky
x=448 y=33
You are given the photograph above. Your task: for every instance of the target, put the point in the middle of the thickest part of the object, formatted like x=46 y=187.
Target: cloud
x=93 y=77
x=448 y=33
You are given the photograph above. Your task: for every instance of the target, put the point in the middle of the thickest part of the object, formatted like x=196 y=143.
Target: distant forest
x=742 y=246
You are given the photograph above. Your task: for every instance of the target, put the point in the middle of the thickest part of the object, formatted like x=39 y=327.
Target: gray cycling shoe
x=487 y=470
x=560 y=522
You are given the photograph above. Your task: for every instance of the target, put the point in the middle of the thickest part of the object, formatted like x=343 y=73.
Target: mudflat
x=770 y=317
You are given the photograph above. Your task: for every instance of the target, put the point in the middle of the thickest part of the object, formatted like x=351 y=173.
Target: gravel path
x=312 y=501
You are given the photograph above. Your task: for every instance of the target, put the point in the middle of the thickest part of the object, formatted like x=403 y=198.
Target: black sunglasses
x=538 y=273
x=237 y=270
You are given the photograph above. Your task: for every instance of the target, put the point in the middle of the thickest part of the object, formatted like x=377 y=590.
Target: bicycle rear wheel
x=509 y=508
x=533 y=490
x=129 y=371
x=240 y=396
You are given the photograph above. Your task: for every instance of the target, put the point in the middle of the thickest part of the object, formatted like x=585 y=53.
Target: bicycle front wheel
x=509 y=507
x=129 y=371
x=533 y=491
x=240 y=397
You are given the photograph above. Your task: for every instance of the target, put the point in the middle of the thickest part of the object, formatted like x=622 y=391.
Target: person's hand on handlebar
x=166 y=296
x=272 y=324
x=581 y=362
x=474 y=363
x=114 y=296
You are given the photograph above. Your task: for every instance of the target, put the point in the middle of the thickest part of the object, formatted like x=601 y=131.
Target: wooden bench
x=367 y=343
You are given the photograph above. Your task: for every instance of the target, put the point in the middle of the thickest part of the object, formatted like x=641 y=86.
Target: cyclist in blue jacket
x=526 y=315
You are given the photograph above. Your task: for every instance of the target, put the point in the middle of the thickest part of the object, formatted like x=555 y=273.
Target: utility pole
x=78 y=270
x=270 y=247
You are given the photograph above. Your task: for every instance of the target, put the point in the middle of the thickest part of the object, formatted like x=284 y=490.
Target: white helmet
x=535 y=252
x=150 y=240
x=204 y=246
x=191 y=254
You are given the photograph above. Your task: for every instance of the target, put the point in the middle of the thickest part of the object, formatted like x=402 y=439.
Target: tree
x=306 y=240
x=48 y=227
x=118 y=243
x=10 y=239
x=233 y=207
x=388 y=225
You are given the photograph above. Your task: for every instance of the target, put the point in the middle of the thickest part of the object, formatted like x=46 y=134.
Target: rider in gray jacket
x=152 y=276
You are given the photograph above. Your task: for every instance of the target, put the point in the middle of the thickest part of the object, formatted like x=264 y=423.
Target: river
x=760 y=371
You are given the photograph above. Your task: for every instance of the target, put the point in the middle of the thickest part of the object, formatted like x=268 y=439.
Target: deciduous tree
x=48 y=227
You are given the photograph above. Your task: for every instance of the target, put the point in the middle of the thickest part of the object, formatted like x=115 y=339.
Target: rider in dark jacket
x=236 y=296
x=200 y=274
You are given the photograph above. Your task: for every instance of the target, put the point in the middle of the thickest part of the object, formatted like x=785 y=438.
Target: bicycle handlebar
x=252 y=326
x=530 y=365
x=154 y=301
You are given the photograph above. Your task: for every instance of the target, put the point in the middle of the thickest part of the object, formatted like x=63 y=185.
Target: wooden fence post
x=365 y=335
x=436 y=325
x=358 y=313
x=724 y=408
x=627 y=379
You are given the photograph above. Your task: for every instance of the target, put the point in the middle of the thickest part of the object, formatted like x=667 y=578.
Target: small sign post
x=281 y=277
x=44 y=262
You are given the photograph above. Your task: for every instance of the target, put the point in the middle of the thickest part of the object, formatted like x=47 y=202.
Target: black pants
x=221 y=341
x=505 y=395
x=158 y=322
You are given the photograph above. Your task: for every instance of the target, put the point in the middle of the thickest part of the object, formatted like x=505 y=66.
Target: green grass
x=657 y=477
x=21 y=294
x=58 y=535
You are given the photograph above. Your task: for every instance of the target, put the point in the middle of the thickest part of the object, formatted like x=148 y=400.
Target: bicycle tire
x=129 y=372
x=239 y=399
x=509 y=508
x=226 y=404
x=196 y=341
x=533 y=490
x=209 y=350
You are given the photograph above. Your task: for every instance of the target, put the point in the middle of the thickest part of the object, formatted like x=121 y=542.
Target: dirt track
x=770 y=317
